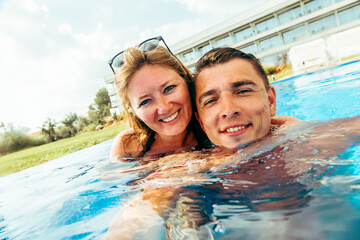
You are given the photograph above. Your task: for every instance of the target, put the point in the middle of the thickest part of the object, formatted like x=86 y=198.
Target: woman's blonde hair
x=134 y=59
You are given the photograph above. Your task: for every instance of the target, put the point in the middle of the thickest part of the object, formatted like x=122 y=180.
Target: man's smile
x=235 y=130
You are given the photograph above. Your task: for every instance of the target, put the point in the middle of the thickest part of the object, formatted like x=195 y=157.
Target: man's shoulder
x=279 y=120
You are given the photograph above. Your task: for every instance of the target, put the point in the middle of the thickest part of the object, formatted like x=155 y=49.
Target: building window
x=204 y=49
x=315 y=5
x=225 y=41
x=294 y=34
x=244 y=34
x=290 y=15
x=188 y=56
x=270 y=42
x=111 y=88
x=349 y=15
x=115 y=101
x=250 y=49
x=322 y=24
x=266 y=25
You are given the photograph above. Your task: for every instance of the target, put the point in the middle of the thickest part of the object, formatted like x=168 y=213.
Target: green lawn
x=23 y=159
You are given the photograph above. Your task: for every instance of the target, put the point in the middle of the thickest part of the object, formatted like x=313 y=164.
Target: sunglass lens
x=119 y=60
x=149 y=45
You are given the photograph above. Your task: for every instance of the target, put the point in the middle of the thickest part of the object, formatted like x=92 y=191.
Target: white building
x=114 y=97
x=273 y=28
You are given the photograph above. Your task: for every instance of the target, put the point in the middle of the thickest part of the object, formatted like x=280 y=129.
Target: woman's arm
x=125 y=145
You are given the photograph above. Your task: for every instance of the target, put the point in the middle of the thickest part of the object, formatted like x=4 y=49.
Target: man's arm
x=282 y=119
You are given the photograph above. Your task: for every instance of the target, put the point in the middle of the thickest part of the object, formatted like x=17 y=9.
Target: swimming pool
x=71 y=197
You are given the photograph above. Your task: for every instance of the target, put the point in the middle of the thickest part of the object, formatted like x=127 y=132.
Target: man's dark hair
x=225 y=54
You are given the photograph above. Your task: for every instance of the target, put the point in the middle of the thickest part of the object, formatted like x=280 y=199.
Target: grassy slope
x=33 y=156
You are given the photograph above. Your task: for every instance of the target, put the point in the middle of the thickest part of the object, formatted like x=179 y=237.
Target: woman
x=153 y=87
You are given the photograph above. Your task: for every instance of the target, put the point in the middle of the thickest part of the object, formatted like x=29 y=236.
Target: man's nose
x=228 y=107
x=164 y=105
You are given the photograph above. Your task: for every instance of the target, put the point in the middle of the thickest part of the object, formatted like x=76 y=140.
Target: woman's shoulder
x=125 y=143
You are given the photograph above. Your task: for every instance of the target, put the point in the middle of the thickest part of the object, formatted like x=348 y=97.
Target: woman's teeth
x=172 y=117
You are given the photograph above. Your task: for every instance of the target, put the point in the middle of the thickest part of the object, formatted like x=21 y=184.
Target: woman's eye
x=169 y=88
x=143 y=103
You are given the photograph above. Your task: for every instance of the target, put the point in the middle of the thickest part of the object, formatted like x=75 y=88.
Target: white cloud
x=65 y=28
x=53 y=57
x=216 y=7
x=32 y=7
x=48 y=72
x=174 y=32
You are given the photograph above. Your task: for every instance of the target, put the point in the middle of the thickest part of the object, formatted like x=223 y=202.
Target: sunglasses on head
x=146 y=46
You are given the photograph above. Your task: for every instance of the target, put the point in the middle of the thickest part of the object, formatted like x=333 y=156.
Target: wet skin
x=160 y=98
x=233 y=104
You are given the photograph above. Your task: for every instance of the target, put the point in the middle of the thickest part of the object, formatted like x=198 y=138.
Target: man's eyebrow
x=207 y=93
x=242 y=83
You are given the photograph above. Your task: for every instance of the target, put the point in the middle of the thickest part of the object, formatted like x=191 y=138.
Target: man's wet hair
x=225 y=54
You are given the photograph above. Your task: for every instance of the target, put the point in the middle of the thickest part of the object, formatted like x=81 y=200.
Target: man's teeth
x=172 y=117
x=235 y=129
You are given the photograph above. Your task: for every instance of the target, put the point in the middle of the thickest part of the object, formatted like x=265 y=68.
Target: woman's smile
x=171 y=118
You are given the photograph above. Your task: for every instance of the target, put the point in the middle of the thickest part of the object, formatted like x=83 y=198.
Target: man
x=233 y=97
x=235 y=103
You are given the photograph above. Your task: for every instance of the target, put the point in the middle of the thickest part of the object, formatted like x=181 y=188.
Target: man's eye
x=169 y=88
x=242 y=91
x=145 y=102
x=209 y=102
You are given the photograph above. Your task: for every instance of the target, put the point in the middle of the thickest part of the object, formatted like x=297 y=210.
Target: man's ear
x=272 y=100
x=199 y=120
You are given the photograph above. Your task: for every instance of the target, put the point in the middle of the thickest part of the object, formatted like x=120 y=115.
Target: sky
x=54 y=53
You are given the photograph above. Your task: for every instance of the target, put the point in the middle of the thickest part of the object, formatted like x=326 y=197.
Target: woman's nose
x=163 y=105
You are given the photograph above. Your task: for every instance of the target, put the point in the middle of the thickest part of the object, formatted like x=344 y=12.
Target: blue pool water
x=73 y=197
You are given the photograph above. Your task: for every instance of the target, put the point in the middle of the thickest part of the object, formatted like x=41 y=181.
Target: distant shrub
x=269 y=70
x=93 y=116
x=63 y=132
x=37 y=141
x=121 y=116
x=16 y=139
x=81 y=123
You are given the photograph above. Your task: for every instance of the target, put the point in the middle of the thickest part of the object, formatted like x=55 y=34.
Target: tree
x=103 y=103
x=48 y=129
x=69 y=122
x=81 y=123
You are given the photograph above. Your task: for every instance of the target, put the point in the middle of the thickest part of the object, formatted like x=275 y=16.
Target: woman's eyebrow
x=165 y=83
